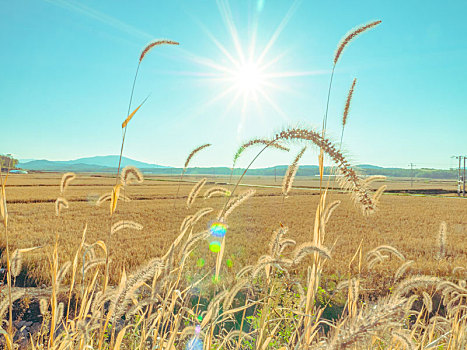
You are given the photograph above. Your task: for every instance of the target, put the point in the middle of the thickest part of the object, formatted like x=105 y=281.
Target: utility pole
x=463 y=178
x=460 y=178
x=411 y=173
x=276 y=179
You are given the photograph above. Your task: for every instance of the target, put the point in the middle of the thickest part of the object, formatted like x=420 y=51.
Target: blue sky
x=67 y=69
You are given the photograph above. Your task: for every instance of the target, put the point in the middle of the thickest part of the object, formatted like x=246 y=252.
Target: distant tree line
x=7 y=161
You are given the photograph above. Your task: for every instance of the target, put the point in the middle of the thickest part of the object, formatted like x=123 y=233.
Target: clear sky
x=243 y=69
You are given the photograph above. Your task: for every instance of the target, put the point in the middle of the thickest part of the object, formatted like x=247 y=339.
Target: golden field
x=408 y=223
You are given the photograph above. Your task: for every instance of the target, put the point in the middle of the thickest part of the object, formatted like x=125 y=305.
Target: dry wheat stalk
x=291 y=172
x=352 y=35
x=66 y=179
x=156 y=43
x=194 y=192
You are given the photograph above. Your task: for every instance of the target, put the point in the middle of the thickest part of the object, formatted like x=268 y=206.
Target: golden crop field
x=408 y=223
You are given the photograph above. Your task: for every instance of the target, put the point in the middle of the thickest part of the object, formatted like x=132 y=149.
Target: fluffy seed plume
x=156 y=43
x=308 y=248
x=199 y=214
x=59 y=204
x=186 y=222
x=196 y=150
x=442 y=240
x=216 y=190
x=17 y=260
x=194 y=192
x=235 y=202
x=122 y=224
x=385 y=248
x=291 y=172
x=253 y=142
x=352 y=35
x=66 y=179
x=16 y=263
x=403 y=337
x=349 y=180
x=43 y=306
x=130 y=175
x=347 y=103
x=401 y=270
x=427 y=301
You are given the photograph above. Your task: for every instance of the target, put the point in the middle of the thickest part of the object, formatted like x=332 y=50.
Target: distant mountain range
x=109 y=164
x=88 y=164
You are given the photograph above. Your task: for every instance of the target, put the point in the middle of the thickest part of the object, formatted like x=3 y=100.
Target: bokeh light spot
x=215 y=246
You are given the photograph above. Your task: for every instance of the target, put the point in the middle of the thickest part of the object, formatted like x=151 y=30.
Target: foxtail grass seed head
x=194 y=192
x=191 y=155
x=131 y=175
x=218 y=190
x=125 y=224
x=16 y=263
x=349 y=179
x=156 y=43
x=60 y=203
x=443 y=228
x=66 y=179
x=347 y=103
x=235 y=202
x=352 y=35
x=253 y=142
x=291 y=172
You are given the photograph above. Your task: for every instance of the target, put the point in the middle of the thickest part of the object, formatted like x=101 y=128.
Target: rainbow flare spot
x=200 y=262
x=218 y=229
x=215 y=246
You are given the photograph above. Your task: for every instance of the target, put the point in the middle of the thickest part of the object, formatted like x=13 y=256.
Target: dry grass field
x=408 y=223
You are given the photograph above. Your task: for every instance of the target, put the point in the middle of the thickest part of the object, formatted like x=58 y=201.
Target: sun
x=246 y=74
x=248 y=78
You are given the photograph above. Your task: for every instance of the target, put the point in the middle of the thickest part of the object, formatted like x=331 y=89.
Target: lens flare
x=229 y=263
x=215 y=246
x=218 y=229
x=200 y=262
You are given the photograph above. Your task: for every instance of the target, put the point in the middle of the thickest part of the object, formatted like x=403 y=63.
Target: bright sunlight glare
x=248 y=78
